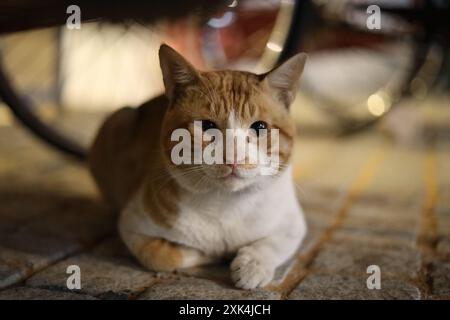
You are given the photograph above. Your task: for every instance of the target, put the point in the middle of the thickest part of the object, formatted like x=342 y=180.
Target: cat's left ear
x=284 y=79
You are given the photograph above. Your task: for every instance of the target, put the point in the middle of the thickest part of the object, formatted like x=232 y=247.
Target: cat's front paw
x=248 y=271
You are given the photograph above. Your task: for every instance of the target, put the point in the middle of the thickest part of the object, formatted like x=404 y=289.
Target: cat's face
x=222 y=108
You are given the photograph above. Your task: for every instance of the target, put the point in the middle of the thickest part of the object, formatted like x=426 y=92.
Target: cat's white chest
x=220 y=227
x=221 y=224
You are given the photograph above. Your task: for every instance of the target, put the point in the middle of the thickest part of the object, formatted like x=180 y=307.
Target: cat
x=180 y=216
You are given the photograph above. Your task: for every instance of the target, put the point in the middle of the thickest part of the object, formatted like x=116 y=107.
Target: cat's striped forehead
x=231 y=92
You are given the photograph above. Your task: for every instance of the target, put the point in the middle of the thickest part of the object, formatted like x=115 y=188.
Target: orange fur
x=131 y=152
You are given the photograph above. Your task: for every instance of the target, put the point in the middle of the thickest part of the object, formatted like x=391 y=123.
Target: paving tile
x=23 y=253
x=38 y=229
x=355 y=257
x=399 y=179
x=80 y=219
x=14 y=211
x=336 y=286
x=101 y=276
x=384 y=212
x=378 y=238
x=184 y=288
x=319 y=206
x=384 y=215
x=10 y=273
x=345 y=156
x=442 y=211
x=443 y=248
x=440 y=278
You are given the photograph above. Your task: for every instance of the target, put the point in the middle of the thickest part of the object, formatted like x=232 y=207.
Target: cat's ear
x=284 y=79
x=177 y=72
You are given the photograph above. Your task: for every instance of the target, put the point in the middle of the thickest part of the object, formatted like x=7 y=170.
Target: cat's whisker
x=199 y=182
x=165 y=171
x=184 y=173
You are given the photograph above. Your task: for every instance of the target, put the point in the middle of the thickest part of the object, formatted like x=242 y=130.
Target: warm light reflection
x=274 y=47
x=378 y=103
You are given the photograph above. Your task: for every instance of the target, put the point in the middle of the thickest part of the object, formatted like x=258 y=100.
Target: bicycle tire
x=23 y=112
x=303 y=17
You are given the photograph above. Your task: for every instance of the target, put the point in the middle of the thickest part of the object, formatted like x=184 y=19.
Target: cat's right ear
x=177 y=72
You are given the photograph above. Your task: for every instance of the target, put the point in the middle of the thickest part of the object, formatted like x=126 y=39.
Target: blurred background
x=372 y=161
x=68 y=79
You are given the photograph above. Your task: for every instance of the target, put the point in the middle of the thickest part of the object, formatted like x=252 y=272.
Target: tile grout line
x=301 y=266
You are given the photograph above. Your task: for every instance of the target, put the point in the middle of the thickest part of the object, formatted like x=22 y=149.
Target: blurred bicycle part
x=62 y=82
x=354 y=74
x=36 y=61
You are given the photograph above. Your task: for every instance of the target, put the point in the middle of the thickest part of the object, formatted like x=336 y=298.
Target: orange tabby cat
x=176 y=216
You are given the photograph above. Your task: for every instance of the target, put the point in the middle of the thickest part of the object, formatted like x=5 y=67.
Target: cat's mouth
x=227 y=175
x=231 y=175
x=237 y=173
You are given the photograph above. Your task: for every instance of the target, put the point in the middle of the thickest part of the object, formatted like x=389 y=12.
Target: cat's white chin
x=234 y=183
x=226 y=179
x=210 y=179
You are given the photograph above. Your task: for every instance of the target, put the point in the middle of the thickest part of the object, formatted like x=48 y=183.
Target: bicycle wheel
x=355 y=75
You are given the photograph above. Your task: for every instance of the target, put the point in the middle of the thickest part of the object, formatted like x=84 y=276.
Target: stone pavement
x=368 y=200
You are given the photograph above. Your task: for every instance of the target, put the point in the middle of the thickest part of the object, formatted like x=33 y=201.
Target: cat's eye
x=207 y=124
x=258 y=125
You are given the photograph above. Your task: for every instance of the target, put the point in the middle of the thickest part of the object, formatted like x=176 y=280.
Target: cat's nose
x=231 y=160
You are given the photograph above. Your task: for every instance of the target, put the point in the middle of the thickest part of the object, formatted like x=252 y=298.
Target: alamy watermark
x=373 y=22
x=240 y=146
x=374 y=280
x=74 y=280
x=74 y=19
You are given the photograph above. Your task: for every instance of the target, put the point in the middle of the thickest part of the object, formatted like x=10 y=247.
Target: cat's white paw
x=249 y=271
